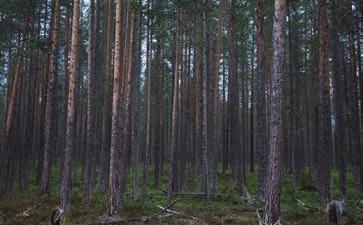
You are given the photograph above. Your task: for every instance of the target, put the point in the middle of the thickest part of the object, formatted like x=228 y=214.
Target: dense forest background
x=132 y=103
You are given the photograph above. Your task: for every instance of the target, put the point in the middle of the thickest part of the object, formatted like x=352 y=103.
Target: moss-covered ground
x=225 y=209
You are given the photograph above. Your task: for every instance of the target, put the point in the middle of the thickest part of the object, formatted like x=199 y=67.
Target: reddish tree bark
x=324 y=99
x=50 y=102
x=65 y=186
x=91 y=107
x=272 y=208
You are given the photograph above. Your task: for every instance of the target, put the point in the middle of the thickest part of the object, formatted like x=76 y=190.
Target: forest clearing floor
x=28 y=208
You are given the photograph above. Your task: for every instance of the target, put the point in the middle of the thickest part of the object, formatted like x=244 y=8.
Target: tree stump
x=335 y=210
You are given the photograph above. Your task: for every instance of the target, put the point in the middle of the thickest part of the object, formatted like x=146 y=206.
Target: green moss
x=227 y=208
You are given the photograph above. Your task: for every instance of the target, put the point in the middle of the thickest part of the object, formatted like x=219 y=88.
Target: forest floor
x=28 y=208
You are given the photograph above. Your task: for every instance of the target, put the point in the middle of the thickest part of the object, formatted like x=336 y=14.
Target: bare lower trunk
x=8 y=150
x=114 y=185
x=354 y=105
x=50 y=103
x=205 y=102
x=325 y=118
x=261 y=104
x=339 y=134
x=72 y=110
x=235 y=131
x=91 y=107
x=107 y=107
x=272 y=208
x=175 y=109
x=149 y=110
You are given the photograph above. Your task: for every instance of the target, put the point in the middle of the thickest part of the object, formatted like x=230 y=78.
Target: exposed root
x=259 y=217
x=278 y=222
x=56 y=216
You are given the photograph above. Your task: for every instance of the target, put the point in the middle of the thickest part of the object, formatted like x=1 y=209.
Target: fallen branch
x=185 y=193
x=197 y=194
x=143 y=219
x=179 y=214
x=249 y=199
x=170 y=205
x=164 y=213
x=307 y=207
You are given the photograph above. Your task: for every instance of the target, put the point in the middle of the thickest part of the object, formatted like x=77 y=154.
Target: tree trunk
x=354 y=105
x=135 y=99
x=159 y=86
x=9 y=125
x=50 y=103
x=272 y=208
x=205 y=76
x=325 y=119
x=149 y=107
x=233 y=101
x=91 y=107
x=198 y=98
x=65 y=89
x=216 y=95
x=339 y=133
x=103 y=178
x=126 y=132
x=261 y=104
x=175 y=108
x=71 y=111
x=114 y=185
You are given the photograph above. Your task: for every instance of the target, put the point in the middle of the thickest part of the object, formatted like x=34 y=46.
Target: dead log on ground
x=164 y=213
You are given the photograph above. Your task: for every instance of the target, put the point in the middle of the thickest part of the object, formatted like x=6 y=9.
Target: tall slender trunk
x=135 y=99
x=339 y=133
x=63 y=113
x=354 y=104
x=72 y=110
x=233 y=101
x=272 y=208
x=175 y=109
x=216 y=91
x=50 y=103
x=114 y=185
x=224 y=117
x=103 y=178
x=9 y=126
x=198 y=97
x=149 y=107
x=261 y=103
x=126 y=132
x=159 y=86
x=325 y=119
x=91 y=107
x=205 y=75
